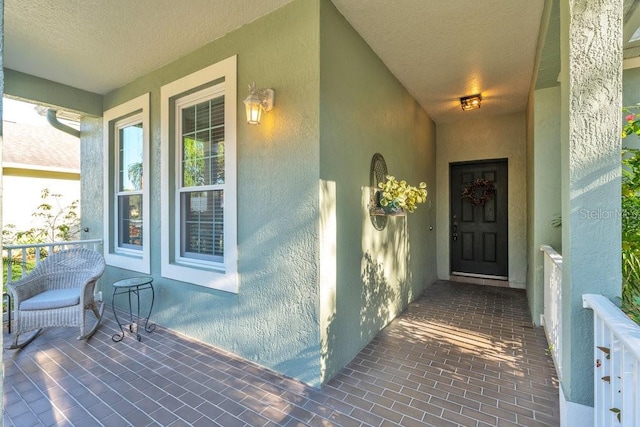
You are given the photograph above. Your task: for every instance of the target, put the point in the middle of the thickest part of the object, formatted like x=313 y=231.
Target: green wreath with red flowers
x=478 y=192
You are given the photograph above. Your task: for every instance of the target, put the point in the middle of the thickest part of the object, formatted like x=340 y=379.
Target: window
x=128 y=198
x=201 y=179
x=126 y=147
x=199 y=243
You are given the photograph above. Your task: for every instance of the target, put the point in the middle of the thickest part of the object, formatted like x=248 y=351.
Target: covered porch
x=460 y=355
x=307 y=279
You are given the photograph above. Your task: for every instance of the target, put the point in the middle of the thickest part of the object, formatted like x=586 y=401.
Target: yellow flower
x=402 y=195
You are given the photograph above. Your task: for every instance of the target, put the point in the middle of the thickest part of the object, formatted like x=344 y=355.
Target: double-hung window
x=126 y=193
x=199 y=178
x=128 y=199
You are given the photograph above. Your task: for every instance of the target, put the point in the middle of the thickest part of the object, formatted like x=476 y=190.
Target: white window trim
x=171 y=266
x=128 y=259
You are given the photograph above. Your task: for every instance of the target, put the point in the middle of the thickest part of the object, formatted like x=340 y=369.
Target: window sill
x=197 y=275
x=129 y=261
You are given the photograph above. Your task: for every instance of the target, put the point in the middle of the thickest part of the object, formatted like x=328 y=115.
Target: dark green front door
x=478 y=224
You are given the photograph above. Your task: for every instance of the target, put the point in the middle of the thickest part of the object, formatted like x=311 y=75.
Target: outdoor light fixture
x=258 y=100
x=470 y=102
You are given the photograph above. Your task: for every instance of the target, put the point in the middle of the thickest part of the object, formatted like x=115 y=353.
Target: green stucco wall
x=372 y=274
x=273 y=319
x=303 y=221
x=544 y=190
x=631 y=86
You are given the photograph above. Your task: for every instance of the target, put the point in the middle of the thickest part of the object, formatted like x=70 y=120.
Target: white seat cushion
x=48 y=300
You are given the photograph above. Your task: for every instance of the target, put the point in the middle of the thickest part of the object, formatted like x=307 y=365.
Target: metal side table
x=133 y=286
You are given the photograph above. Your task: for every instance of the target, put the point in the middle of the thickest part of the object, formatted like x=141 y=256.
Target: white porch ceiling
x=439 y=50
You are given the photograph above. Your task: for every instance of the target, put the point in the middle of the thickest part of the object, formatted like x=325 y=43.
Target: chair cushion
x=48 y=300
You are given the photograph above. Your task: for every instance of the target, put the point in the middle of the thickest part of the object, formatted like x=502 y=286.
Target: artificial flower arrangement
x=396 y=194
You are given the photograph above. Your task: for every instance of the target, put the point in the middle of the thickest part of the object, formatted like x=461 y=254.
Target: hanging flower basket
x=394 y=197
x=389 y=209
x=479 y=192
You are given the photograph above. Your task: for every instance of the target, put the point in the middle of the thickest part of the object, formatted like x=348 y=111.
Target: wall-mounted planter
x=376 y=209
x=377 y=213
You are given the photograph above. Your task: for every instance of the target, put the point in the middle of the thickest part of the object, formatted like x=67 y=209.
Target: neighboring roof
x=39 y=146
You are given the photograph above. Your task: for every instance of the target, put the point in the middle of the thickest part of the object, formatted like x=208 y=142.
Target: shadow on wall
x=385 y=271
x=379 y=299
x=379 y=304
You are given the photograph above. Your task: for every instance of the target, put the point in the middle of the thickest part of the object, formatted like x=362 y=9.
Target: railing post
x=552 y=304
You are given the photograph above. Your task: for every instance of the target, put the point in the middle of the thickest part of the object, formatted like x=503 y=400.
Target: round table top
x=132 y=282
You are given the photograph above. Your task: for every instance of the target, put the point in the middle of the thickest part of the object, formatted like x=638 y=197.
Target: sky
x=21 y=112
x=25 y=113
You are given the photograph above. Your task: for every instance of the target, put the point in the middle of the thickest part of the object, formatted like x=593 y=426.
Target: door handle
x=454 y=228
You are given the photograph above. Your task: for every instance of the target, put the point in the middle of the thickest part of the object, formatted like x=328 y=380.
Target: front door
x=478 y=221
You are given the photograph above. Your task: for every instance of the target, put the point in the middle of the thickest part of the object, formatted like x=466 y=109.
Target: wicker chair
x=58 y=292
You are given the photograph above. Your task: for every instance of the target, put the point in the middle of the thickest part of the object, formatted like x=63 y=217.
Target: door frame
x=472 y=276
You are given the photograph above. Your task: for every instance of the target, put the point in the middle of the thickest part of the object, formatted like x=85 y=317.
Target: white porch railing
x=552 y=318
x=31 y=255
x=616 y=364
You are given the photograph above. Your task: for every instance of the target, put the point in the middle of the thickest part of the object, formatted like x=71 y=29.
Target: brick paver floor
x=461 y=355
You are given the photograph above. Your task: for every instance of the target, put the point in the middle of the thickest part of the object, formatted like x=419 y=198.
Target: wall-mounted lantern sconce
x=258 y=100
x=470 y=102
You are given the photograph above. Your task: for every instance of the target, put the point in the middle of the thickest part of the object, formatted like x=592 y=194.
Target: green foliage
x=631 y=236
x=16 y=273
x=55 y=223
x=16 y=268
x=632 y=308
x=135 y=175
x=193 y=164
x=631 y=220
x=632 y=126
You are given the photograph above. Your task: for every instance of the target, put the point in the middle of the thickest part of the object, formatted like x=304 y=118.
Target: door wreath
x=478 y=192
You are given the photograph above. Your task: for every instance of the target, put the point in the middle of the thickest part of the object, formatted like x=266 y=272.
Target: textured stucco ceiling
x=99 y=45
x=439 y=50
x=443 y=50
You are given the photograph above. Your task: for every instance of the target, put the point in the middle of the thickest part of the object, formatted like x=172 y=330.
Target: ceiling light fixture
x=470 y=102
